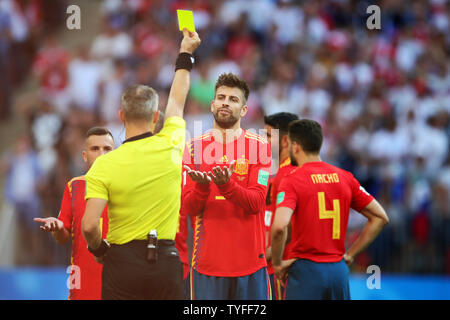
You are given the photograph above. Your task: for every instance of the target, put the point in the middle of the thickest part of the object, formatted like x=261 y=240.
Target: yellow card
x=186 y=20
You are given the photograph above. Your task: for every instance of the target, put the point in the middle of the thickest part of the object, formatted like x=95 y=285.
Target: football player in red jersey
x=228 y=171
x=280 y=145
x=181 y=243
x=85 y=277
x=317 y=197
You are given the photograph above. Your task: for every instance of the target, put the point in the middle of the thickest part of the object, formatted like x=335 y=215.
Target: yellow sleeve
x=97 y=181
x=174 y=132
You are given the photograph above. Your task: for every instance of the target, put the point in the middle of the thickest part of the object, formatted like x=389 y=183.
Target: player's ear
x=295 y=147
x=244 y=110
x=84 y=154
x=285 y=141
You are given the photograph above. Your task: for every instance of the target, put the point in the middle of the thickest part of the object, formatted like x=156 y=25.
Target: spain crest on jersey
x=241 y=167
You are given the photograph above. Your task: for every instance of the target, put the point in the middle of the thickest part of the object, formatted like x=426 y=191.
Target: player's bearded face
x=228 y=107
x=225 y=117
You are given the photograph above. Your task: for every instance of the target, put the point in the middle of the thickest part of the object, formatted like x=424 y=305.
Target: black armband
x=184 y=61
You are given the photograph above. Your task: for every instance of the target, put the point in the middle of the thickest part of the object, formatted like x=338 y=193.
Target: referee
x=141 y=183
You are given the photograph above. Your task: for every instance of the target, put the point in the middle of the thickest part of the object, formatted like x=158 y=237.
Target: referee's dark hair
x=98 y=131
x=280 y=121
x=308 y=134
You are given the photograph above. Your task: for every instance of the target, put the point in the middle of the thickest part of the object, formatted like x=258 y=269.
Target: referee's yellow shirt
x=141 y=180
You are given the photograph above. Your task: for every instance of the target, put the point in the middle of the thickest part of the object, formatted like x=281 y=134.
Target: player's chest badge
x=241 y=166
x=224 y=159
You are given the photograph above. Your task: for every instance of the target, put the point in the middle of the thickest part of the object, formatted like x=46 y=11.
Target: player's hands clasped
x=50 y=224
x=190 y=41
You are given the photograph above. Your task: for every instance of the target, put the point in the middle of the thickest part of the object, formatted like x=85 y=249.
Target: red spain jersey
x=285 y=168
x=229 y=239
x=86 y=276
x=321 y=196
x=181 y=238
x=268 y=216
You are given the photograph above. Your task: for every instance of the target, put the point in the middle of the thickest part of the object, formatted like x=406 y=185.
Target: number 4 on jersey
x=334 y=214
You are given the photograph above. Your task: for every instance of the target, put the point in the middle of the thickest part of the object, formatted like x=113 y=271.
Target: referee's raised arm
x=140 y=181
x=181 y=81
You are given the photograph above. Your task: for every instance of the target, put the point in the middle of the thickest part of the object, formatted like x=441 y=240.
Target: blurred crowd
x=382 y=97
x=23 y=26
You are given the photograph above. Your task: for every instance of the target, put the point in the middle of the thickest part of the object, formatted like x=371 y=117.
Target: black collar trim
x=139 y=137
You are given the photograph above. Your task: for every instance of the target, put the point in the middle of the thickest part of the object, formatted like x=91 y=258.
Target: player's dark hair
x=280 y=121
x=308 y=134
x=98 y=131
x=233 y=81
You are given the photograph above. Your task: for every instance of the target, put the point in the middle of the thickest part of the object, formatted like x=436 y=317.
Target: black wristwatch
x=100 y=251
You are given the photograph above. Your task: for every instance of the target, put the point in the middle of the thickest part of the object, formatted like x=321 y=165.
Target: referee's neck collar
x=138 y=137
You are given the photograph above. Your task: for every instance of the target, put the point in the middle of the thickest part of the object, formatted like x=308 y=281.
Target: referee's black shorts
x=127 y=275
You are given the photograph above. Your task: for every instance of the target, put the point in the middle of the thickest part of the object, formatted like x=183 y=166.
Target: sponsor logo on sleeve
x=263 y=177
x=280 y=198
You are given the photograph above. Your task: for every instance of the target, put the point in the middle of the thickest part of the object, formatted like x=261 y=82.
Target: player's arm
x=196 y=190
x=269 y=252
x=196 y=193
x=377 y=220
x=181 y=80
x=96 y=196
x=56 y=227
x=182 y=231
x=59 y=227
x=62 y=236
x=90 y=223
x=286 y=202
x=253 y=197
x=279 y=233
x=268 y=248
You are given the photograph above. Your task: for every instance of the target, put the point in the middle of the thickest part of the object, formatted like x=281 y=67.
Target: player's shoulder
x=290 y=176
x=283 y=172
x=290 y=171
x=287 y=168
x=203 y=137
x=253 y=136
x=285 y=163
x=75 y=181
x=79 y=178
